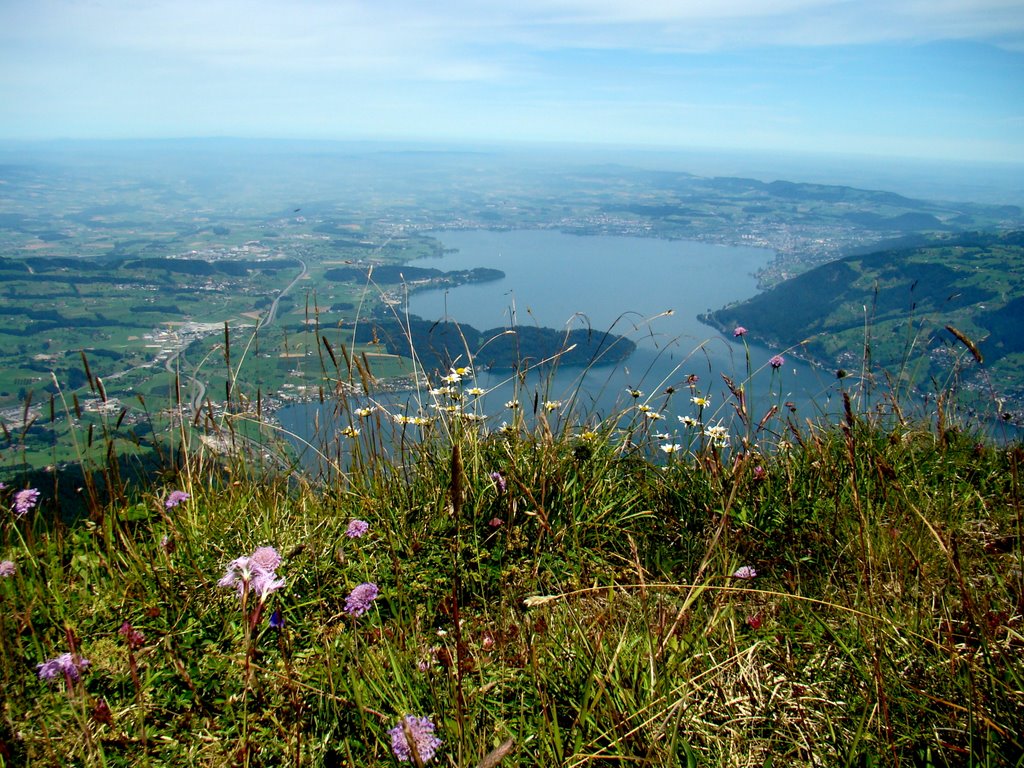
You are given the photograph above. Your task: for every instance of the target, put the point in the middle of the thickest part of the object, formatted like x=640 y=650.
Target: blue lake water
x=647 y=289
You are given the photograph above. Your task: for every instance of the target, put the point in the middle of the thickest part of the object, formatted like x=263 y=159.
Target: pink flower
x=738 y=331
x=357 y=529
x=777 y=361
x=745 y=572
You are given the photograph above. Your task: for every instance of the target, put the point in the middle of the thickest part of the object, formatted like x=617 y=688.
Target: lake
x=647 y=289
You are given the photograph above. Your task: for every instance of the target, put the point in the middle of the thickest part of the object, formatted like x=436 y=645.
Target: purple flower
x=499 y=479
x=760 y=473
x=745 y=572
x=25 y=500
x=132 y=636
x=174 y=498
x=357 y=529
x=266 y=558
x=738 y=331
x=414 y=733
x=277 y=620
x=255 y=573
x=64 y=666
x=777 y=362
x=6 y=568
x=359 y=599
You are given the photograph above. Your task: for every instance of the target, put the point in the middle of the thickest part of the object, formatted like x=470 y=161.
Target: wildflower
x=552 y=405
x=255 y=573
x=438 y=391
x=414 y=738
x=512 y=404
x=653 y=415
x=350 y=431
x=755 y=621
x=362 y=413
x=475 y=391
x=359 y=599
x=25 y=500
x=357 y=529
x=499 y=480
x=495 y=522
x=6 y=569
x=401 y=419
x=452 y=378
x=718 y=435
x=701 y=402
x=589 y=435
x=634 y=393
x=760 y=473
x=671 y=448
x=174 y=498
x=65 y=665
x=738 y=331
x=277 y=620
x=167 y=544
x=687 y=421
x=745 y=572
x=777 y=361
x=419 y=421
x=266 y=558
x=132 y=636
x=464 y=370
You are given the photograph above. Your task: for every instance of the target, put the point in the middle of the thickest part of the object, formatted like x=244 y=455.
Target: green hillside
x=898 y=303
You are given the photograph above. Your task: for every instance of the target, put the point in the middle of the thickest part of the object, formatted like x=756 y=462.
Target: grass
x=553 y=593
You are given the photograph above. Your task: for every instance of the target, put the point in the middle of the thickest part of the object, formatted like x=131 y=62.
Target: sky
x=938 y=79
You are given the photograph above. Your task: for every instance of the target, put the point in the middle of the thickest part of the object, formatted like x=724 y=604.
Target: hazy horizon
x=944 y=82
x=974 y=181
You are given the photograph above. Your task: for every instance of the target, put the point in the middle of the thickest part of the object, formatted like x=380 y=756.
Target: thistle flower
x=25 y=500
x=63 y=666
x=6 y=568
x=745 y=572
x=174 y=498
x=414 y=733
x=358 y=601
x=357 y=529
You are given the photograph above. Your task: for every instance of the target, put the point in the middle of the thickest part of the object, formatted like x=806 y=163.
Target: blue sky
x=939 y=79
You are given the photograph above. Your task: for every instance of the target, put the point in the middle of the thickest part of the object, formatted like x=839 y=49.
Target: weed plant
x=549 y=592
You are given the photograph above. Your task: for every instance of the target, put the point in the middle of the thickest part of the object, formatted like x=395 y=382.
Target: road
x=197 y=387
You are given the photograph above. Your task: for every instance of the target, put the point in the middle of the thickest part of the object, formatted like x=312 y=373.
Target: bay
x=648 y=289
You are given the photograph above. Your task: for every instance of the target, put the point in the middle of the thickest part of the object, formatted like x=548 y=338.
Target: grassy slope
x=883 y=626
x=907 y=296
